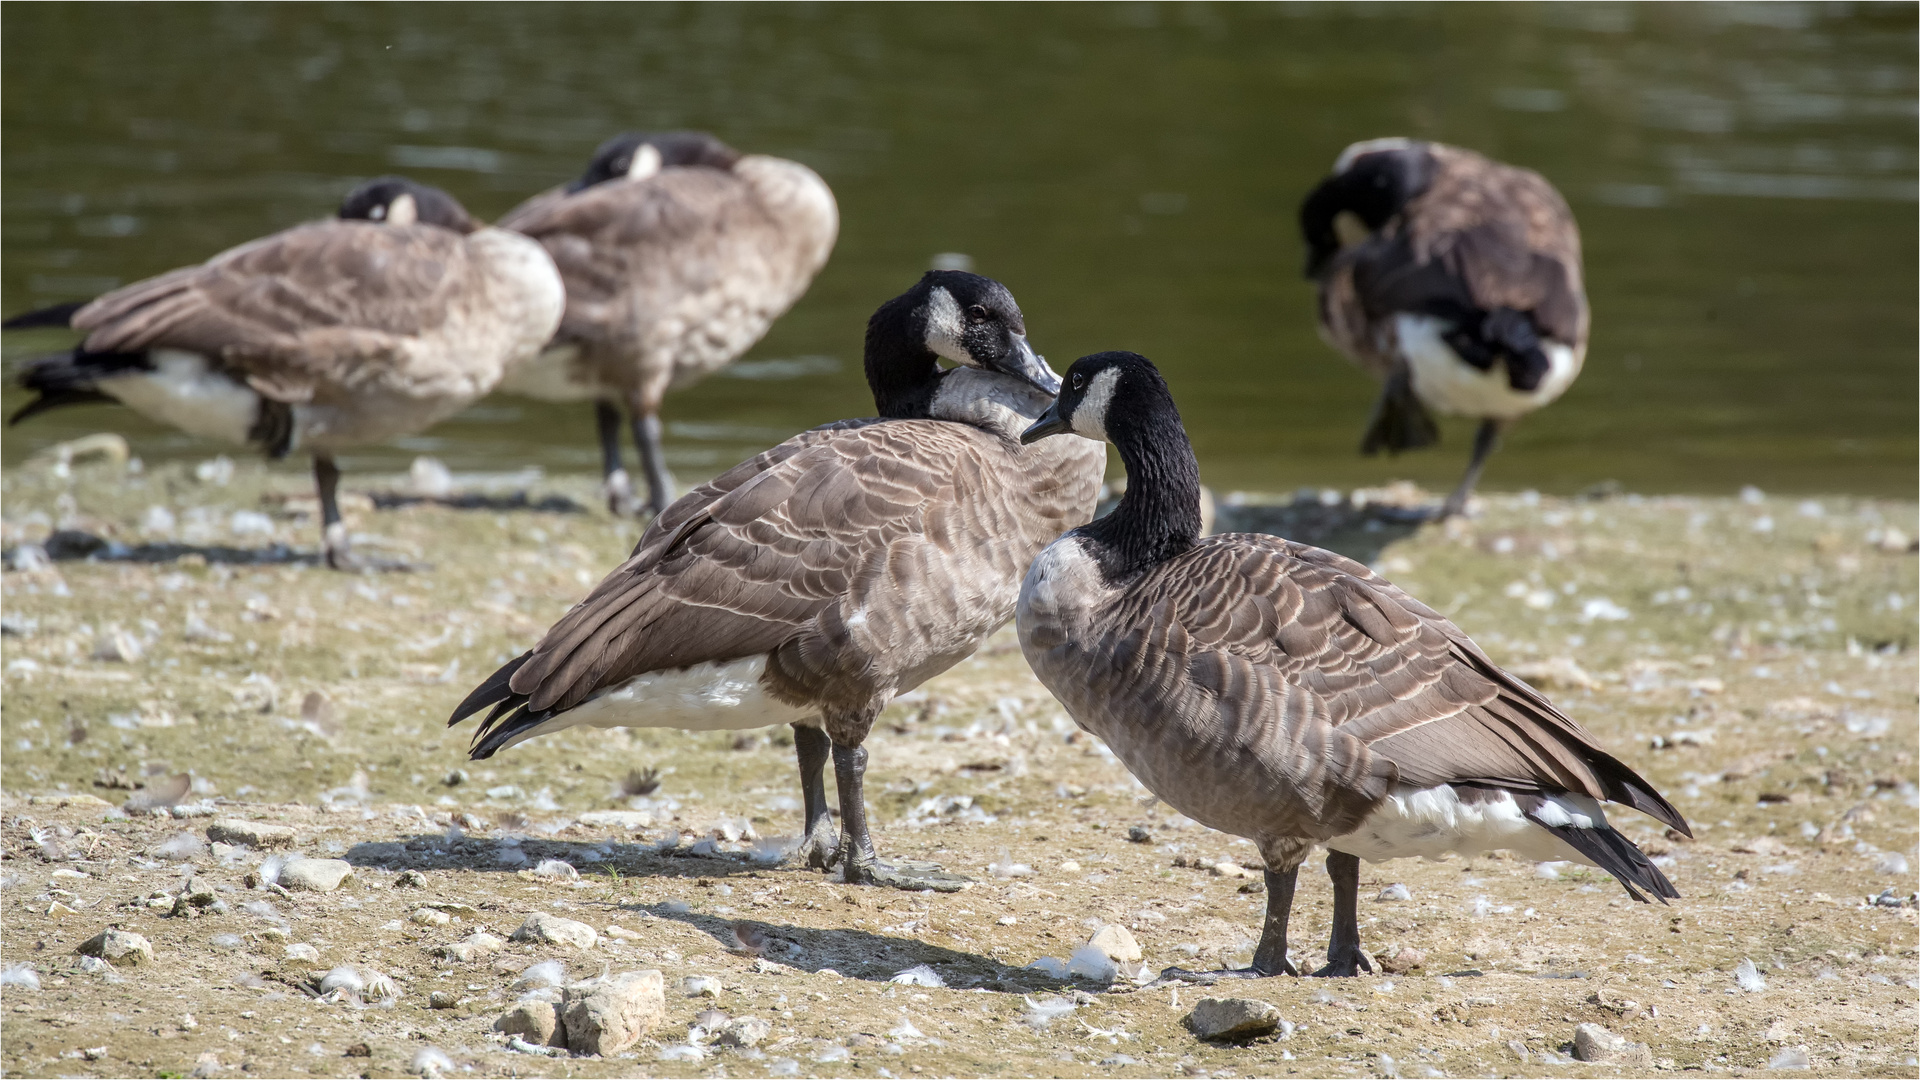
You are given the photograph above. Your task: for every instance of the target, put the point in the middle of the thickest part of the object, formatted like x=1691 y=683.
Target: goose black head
x=637 y=155
x=396 y=200
x=1371 y=182
x=952 y=315
x=1102 y=393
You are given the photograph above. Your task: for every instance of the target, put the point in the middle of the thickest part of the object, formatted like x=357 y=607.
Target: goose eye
x=1079 y=380
x=977 y=313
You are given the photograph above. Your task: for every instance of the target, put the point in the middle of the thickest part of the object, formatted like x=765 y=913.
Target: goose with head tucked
x=814 y=583
x=678 y=253
x=381 y=322
x=1454 y=280
x=1293 y=697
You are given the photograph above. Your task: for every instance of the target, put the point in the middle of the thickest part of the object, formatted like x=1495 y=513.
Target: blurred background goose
x=1452 y=279
x=1291 y=696
x=814 y=583
x=379 y=323
x=678 y=254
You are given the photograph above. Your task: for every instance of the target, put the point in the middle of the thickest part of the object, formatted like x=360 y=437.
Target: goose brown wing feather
x=760 y=564
x=1368 y=686
x=327 y=303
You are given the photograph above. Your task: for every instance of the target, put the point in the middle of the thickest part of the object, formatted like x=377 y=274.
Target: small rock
x=255 y=834
x=606 y=1015
x=473 y=947
x=440 y=999
x=1617 y=1004
x=359 y=1050
x=1228 y=869
x=1403 y=961
x=1139 y=835
x=315 y=875
x=700 y=986
x=1233 y=1019
x=410 y=879
x=1793 y=1057
x=427 y=916
x=301 y=952
x=553 y=930
x=1591 y=1042
x=120 y=948
x=1394 y=893
x=745 y=1033
x=1117 y=942
x=537 y=1022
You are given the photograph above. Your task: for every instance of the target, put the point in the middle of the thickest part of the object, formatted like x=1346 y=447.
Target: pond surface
x=1744 y=176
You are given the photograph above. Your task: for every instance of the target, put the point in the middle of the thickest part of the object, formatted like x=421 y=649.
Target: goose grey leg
x=335 y=550
x=646 y=432
x=812 y=747
x=334 y=546
x=1484 y=441
x=859 y=865
x=1344 y=959
x=1270 y=956
x=616 y=483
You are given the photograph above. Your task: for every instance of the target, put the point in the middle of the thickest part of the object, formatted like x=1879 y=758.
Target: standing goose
x=1288 y=695
x=814 y=583
x=329 y=335
x=678 y=253
x=1452 y=279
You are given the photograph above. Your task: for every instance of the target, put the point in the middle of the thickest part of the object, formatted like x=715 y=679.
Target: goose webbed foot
x=910 y=875
x=819 y=848
x=618 y=489
x=1344 y=963
x=338 y=554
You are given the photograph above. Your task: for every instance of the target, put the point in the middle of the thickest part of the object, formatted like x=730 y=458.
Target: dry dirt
x=1754 y=658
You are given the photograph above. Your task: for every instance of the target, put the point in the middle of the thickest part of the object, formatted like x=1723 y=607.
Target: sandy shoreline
x=1755 y=659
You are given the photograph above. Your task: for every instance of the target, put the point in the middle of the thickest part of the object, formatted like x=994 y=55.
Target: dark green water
x=1744 y=175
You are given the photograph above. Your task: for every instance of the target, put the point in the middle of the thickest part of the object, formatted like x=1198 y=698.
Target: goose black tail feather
x=508 y=715
x=493 y=690
x=57 y=315
x=1618 y=856
x=72 y=378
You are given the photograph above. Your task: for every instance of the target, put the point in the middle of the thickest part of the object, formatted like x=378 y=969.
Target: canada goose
x=815 y=582
x=329 y=335
x=1291 y=696
x=1452 y=279
x=678 y=253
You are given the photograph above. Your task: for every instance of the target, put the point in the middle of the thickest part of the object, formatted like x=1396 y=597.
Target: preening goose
x=1452 y=279
x=1291 y=696
x=678 y=253
x=379 y=323
x=845 y=566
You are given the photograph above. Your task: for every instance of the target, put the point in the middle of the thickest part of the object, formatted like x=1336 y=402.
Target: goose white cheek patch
x=646 y=162
x=945 y=327
x=1090 y=416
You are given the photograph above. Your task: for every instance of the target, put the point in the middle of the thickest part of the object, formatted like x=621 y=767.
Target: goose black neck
x=1159 y=516
x=901 y=371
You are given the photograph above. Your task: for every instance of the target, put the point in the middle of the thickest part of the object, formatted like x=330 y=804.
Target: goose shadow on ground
x=76 y=545
x=852 y=952
x=1360 y=531
x=862 y=954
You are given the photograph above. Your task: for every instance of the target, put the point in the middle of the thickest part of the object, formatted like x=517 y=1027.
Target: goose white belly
x=1432 y=823
x=185 y=391
x=1448 y=384
x=553 y=374
x=726 y=695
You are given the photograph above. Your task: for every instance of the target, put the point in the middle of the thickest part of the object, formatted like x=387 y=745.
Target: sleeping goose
x=1452 y=279
x=339 y=333
x=678 y=253
x=814 y=583
x=1288 y=695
